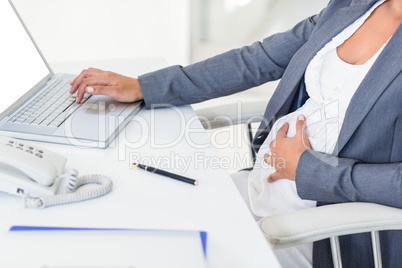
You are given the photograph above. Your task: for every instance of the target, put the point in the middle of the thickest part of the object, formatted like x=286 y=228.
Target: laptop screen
x=21 y=65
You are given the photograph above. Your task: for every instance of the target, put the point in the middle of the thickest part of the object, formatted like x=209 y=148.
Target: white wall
x=257 y=19
x=225 y=24
x=70 y=30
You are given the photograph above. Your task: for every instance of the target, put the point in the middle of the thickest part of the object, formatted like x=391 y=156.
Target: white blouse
x=330 y=84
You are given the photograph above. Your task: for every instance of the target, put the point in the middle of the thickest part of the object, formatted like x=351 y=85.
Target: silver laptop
x=35 y=103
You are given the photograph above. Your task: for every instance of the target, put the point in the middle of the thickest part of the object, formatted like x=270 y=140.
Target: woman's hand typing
x=98 y=82
x=285 y=152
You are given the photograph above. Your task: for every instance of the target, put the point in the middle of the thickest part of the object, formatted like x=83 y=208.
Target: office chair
x=309 y=225
x=314 y=224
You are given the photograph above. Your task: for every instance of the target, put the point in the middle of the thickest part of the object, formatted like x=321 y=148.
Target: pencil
x=166 y=174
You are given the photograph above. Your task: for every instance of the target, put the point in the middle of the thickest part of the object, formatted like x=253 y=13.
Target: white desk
x=174 y=140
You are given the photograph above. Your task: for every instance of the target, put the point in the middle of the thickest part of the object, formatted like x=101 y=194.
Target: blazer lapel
x=342 y=18
x=387 y=66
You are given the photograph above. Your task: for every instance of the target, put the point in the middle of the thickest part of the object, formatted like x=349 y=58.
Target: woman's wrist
x=137 y=90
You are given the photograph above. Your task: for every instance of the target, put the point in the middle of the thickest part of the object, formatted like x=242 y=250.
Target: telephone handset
x=39 y=176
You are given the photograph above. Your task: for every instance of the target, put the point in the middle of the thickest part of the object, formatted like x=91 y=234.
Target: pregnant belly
x=322 y=125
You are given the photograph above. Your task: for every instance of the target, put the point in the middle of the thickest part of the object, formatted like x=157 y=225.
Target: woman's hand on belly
x=285 y=152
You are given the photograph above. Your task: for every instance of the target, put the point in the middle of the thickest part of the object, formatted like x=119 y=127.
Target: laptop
x=35 y=103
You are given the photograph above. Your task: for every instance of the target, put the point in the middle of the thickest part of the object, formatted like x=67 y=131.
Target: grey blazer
x=366 y=166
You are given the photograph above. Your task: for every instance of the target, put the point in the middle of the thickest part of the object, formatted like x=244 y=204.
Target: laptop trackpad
x=106 y=105
x=95 y=120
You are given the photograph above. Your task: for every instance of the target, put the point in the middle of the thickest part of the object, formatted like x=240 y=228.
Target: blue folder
x=20 y=228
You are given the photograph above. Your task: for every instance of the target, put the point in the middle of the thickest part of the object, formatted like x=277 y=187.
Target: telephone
x=40 y=177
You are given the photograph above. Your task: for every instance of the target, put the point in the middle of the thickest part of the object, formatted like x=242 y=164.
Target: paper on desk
x=50 y=247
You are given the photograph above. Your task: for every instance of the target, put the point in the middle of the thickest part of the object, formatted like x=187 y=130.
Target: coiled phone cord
x=71 y=190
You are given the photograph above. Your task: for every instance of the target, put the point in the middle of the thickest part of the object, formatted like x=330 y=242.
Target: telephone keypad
x=30 y=149
x=23 y=155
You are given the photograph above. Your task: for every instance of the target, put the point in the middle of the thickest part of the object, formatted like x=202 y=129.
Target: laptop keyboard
x=51 y=107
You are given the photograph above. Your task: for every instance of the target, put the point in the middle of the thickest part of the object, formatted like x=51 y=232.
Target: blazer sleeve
x=227 y=73
x=329 y=179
